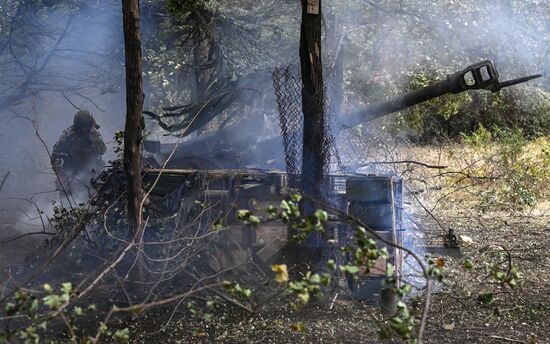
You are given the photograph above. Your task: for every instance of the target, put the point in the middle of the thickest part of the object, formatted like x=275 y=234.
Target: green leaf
x=321 y=215
x=284 y=206
x=103 y=328
x=296 y=198
x=122 y=336
x=404 y=290
x=67 y=287
x=43 y=326
x=349 y=269
x=52 y=301
x=11 y=309
x=243 y=214
x=303 y=296
x=325 y=279
x=78 y=311
x=389 y=270
x=217 y=225
x=315 y=279
x=254 y=220
x=33 y=307
x=272 y=211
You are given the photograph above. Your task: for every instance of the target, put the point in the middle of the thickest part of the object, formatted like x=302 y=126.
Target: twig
x=24 y=235
x=4 y=180
x=68 y=100
x=506 y=339
x=425 y=311
x=37 y=133
x=439 y=167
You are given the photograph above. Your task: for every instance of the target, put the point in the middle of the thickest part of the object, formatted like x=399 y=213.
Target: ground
x=455 y=316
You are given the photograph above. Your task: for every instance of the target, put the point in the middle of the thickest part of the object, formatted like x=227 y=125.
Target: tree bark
x=313 y=100
x=134 y=113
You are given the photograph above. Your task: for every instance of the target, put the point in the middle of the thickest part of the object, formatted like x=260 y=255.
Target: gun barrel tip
x=535 y=76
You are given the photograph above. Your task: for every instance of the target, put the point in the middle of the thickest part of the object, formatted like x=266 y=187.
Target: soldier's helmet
x=84 y=121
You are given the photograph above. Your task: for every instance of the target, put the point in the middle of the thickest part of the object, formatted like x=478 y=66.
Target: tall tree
x=313 y=100
x=134 y=112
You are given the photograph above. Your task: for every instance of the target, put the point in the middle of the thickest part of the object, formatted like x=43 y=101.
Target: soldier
x=78 y=153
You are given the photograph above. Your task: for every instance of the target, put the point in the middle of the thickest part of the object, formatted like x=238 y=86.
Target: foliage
x=402 y=323
x=236 y=289
x=523 y=108
x=516 y=170
x=363 y=254
x=289 y=213
x=43 y=309
x=68 y=221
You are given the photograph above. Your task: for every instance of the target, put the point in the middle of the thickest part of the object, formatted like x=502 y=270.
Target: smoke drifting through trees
x=59 y=57
x=54 y=59
x=76 y=61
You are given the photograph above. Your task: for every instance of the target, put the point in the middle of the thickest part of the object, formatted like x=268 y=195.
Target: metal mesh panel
x=288 y=87
x=288 y=91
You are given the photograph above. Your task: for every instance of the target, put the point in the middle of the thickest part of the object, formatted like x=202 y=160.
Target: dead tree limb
x=407 y=162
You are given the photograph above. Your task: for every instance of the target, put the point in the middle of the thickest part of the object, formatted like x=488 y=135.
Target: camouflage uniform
x=77 y=152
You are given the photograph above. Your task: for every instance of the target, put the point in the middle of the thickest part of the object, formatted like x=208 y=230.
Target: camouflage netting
x=288 y=91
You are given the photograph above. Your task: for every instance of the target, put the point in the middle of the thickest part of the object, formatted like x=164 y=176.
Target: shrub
x=525 y=108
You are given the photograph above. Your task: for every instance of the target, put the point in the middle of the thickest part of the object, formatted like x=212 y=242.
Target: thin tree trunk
x=134 y=113
x=313 y=99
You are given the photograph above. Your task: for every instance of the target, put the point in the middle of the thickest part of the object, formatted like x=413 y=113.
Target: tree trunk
x=134 y=113
x=313 y=100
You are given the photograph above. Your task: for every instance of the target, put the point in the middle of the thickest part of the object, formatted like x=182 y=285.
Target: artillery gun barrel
x=479 y=76
x=397 y=103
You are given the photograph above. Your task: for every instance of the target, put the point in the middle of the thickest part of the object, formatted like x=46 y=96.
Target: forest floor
x=457 y=315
